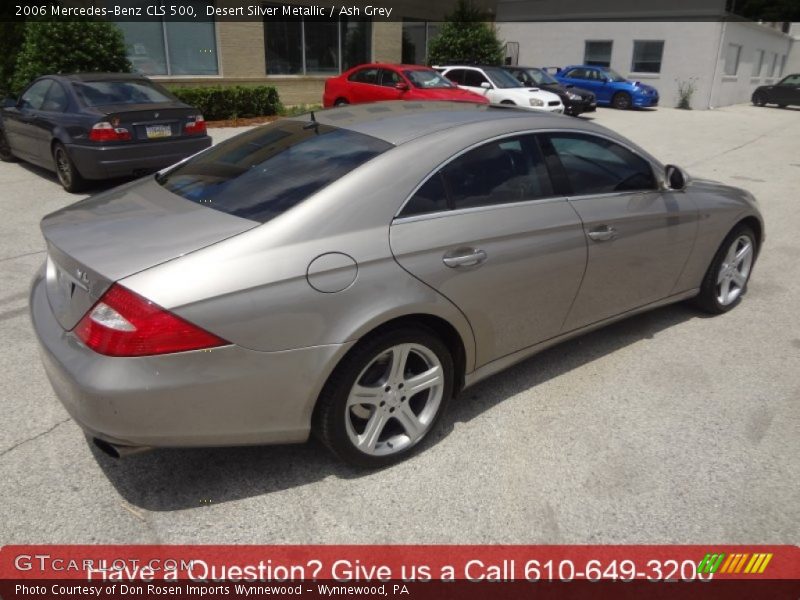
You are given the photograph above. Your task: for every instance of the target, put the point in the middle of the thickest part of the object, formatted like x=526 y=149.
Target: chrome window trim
x=440 y=213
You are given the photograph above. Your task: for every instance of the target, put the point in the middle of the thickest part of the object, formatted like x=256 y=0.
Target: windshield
x=264 y=172
x=107 y=93
x=540 y=77
x=428 y=79
x=502 y=78
x=613 y=75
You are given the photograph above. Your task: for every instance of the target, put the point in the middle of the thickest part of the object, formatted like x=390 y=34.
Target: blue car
x=610 y=88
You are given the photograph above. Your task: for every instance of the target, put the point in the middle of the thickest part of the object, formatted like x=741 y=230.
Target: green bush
x=11 y=36
x=69 y=47
x=466 y=37
x=231 y=102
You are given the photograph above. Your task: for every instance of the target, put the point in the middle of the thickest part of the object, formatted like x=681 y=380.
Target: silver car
x=347 y=272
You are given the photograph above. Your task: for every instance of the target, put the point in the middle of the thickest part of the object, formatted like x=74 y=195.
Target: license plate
x=158 y=131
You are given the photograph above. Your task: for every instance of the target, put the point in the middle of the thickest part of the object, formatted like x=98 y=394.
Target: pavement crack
x=7 y=258
x=735 y=148
x=34 y=437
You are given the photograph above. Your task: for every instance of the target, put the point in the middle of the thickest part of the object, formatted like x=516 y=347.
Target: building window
x=298 y=46
x=647 y=56
x=773 y=65
x=597 y=53
x=172 y=47
x=417 y=36
x=758 y=62
x=732 y=59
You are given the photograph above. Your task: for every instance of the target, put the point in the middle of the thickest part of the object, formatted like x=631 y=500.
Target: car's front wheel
x=68 y=175
x=386 y=396
x=726 y=279
x=759 y=99
x=621 y=100
x=5 y=149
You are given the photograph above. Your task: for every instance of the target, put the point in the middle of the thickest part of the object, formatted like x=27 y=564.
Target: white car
x=500 y=87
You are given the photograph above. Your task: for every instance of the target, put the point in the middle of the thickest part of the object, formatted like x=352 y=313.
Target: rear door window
x=264 y=172
x=365 y=76
x=56 y=99
x=456 y=76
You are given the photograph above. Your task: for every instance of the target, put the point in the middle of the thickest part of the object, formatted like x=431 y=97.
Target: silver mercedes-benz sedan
x=347 y=272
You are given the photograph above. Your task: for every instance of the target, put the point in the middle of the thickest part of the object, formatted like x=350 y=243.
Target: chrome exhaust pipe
x=118 y=451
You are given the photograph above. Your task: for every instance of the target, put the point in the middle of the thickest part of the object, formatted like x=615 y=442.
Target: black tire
x=782 y=105
x=707 y=299
x=330 y=415
x=341 y=102
x=68 y=175
x=622 y=101
x=508 y=102
x=5 y=149
x=758 y=99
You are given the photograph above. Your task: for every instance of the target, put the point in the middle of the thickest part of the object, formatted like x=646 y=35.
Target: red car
x=376 y=82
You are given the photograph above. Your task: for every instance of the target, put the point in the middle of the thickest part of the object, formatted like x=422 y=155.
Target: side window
x=576 y=74
x=456 y=76
x=595 y=165
x=431 y=197
x=524 y=78
x=390 y=78
x=56 y=99
x=365 y=76
x=33 y=98
x=474 y=78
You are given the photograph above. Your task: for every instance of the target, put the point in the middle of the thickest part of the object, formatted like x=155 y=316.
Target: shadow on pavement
x=176 y=479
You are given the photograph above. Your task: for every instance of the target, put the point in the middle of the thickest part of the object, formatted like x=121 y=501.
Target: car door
x=489 y=232
x=389 y=79
x=21 y=131
x=364 y=85
x=787 y=91
x=639 y=236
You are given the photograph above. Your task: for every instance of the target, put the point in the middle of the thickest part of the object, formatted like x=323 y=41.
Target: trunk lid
x=151 y=121
x=102 y=239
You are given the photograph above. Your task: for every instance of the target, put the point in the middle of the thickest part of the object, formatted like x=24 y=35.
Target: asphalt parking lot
x=669 y=427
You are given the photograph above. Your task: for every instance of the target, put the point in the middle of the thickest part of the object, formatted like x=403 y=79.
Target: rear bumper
x=104 y=162
x=226 y=396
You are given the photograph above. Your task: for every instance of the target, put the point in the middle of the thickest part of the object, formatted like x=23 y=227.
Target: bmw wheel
x=385 y=397
x=758 y=99
x=726 y=280
x=621 y=100
x=67 y=174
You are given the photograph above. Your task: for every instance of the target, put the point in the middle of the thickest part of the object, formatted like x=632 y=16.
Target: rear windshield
x=106 y=93
x=264 y=172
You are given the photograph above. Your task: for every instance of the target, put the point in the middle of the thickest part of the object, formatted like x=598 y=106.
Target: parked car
x=500 y=87
x=609 y=87
x=574 y=99
x=347 y=272
x=378 y=82
x=784 y=93
x=99 y=126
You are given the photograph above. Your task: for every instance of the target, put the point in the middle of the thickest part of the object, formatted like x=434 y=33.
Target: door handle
x=464 y=257
x=604 y=233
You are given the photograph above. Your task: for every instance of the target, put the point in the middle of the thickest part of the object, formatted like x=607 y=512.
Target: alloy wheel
x=395 y=400
x=63 y=167
x=734 y=270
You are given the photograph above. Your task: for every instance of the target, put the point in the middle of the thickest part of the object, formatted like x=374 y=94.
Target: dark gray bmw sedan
x=347 y=273
x=99 y=126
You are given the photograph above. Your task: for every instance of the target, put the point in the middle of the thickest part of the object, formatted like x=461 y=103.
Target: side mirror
x=401 y=86
x=675 y=177
x=486 y=85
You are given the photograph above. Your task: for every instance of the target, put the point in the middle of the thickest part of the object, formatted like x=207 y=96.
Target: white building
x=726 y=60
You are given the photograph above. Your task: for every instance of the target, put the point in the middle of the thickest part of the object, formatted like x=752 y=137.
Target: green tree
x=466 y=36
x=69 y=47
x=11 y=36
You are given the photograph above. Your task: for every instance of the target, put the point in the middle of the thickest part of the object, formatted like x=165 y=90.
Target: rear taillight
x=106 y=132
x=123 y=323
x=195 y=125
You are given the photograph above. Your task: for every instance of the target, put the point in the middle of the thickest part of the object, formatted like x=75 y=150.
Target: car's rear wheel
x=726 y=279
x=341 y=102
x=386 y=396
x=759 y=99
x=5 y=149
x=68 y=175
x=621 y=100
